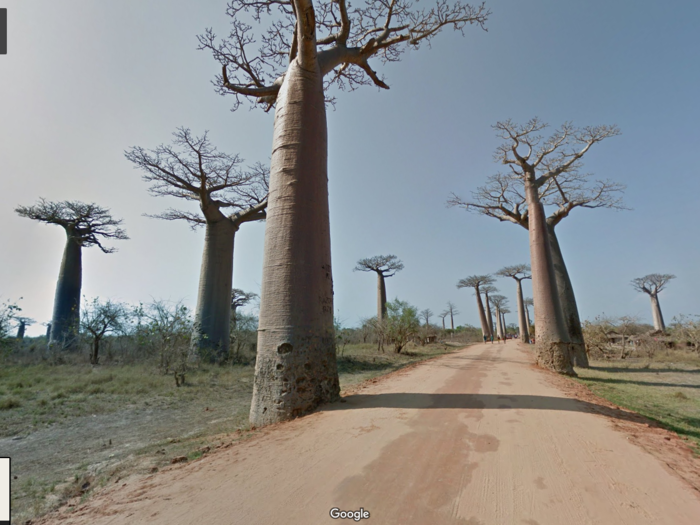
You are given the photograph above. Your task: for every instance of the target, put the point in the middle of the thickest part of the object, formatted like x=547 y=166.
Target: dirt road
x=479 y=437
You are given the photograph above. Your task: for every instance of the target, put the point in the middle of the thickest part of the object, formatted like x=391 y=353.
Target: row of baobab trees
x=301 y=51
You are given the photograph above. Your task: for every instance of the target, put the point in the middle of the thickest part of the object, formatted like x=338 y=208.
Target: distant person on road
x=485 y=338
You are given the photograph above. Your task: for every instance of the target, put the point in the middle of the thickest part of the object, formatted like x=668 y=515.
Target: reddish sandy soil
x=479 y=437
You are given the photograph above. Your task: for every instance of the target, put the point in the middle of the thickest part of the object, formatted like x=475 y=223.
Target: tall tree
x=528 y=302
x=542 y=172
x=84 y=224
x=191 y=168
x=651 y=285
x=426 y=315
x=500 y=302
x=22 y=324
x=519 y=272
x=453 y=311
x=302 y=51
x=505 y=310
x=486 y=290
x=476 y=282
x=384 y=266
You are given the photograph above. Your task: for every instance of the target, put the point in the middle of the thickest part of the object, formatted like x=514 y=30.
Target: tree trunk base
x=579 y=355
x=555 y=356
x=294 y=378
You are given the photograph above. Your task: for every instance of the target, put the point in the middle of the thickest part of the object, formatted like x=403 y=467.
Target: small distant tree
x=244 y=333
x=239 y=299
x=442 y=316
x=384 y=266
x=8 y=317
x=402 y=323
x=22 y=324
x=686 y=329
x=452 y=309
x=500 y=302
x=528 y=302
x=191 y=168
x=519 y=273
x=477 y=282
x=426 y=315
x=85 y=225
x=100 y=318
x=652 y=285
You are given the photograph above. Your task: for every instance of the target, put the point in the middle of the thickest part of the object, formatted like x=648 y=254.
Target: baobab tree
x=442 y=316
x=499 y=302
x=519 y=272
x=302 y=51
x=651 y=285
x=504 y=310
x=191 y=168
x=22 y=324
x=547 y=172
x=85 y=225
x=486 y=290
x=452 y=309
x=239 y=298
x=384 y=266
x=528 y=302
x=426 y=315
x=477 y=282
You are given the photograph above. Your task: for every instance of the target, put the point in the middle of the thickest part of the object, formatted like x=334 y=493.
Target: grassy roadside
x=71 y=428
x=666 y=389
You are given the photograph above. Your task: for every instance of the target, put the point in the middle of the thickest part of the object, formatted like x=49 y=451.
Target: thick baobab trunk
x=482 y=315
x=529 y=322
x=656 y=313
x=66 y=307
x=553 y=344
x=213 y=314
x=452 y=322
x=523 y=321
x=568 y=301
x=489 y=317
x=503 y=321
x=499 y=325
x=443 y=324
x=296 y=370
x=381 y=297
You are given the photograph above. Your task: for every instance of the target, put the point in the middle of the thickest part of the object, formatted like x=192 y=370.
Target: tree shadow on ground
x=613 y=381
x=480 y=402
x=622 y=370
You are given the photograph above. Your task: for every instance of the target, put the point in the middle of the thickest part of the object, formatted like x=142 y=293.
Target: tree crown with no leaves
x=489 y=288
x=84 y=222
x=475 y=281
x=653 y=283
x=499 y=301
x=517 y=272
x=338 y=36
x=191 y=168
x=240 y=298
x=553 y=165
x=386 y=265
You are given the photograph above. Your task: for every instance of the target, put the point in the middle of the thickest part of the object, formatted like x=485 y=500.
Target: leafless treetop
x=528 y=301
x=475 y=281
x=452 y=308
x=517 y=272
x=553 y=165
x=193 y=169
x=653 y=283
x=267 y=35
x=489 y=288
x=240 y=298
x=499 y=301
x=387 y=265
x=83 y=222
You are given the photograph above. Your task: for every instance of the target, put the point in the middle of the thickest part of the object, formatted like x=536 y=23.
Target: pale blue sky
x=84 y=80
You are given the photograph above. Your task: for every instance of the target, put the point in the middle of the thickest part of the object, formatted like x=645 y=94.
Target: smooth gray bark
x=381 y=297
x=523 y=317
x=213 y=313
x=482 y=315
x=489 y=317
x=499 y=325
x=296 y=369
x=65 y=320
x=552 y=340
x=567 y=300
x=656 y=313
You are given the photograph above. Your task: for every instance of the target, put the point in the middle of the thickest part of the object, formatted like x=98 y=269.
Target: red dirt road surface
x=478 y=437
